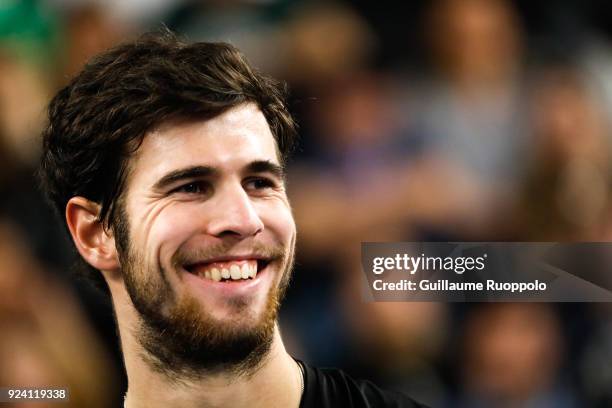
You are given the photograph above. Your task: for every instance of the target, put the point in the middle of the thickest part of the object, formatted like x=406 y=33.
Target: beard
x=180 y=339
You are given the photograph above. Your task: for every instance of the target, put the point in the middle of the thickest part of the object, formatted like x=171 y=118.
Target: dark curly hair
x=98 y=121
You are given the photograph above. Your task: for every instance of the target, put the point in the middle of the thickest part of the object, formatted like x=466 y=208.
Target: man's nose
x=234 y=215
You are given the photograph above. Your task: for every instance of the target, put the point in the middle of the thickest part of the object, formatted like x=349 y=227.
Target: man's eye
x=191 y=188
x=260 y=183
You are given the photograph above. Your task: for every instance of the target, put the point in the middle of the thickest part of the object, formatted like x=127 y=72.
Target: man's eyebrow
x=183 y=174
x=266 y=166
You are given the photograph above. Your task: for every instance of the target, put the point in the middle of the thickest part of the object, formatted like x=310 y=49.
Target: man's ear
x=95 y=244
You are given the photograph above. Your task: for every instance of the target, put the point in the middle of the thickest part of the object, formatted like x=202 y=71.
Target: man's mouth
x=229 y=270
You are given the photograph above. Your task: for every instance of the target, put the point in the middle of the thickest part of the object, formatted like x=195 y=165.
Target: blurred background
x=444 y=120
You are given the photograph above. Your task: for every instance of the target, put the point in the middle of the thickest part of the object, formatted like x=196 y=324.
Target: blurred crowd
x=451 y=120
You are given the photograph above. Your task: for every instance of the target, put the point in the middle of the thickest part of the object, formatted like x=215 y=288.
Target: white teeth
x=215 y=274
x=246 y=271
x=235 y=272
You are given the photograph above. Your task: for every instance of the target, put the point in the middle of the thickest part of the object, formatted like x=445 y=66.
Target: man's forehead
x=237 y=137
x=246 y=115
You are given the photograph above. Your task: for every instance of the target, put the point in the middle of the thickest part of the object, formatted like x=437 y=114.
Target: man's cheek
x=166 y=237
x=280 y=218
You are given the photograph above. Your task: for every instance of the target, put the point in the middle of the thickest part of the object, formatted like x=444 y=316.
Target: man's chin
x=231 y=317
x=229 y=334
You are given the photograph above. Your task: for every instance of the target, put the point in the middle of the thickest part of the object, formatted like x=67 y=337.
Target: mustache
x=259 y=250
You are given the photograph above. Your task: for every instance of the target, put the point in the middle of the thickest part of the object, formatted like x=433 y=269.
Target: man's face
x=207 y=242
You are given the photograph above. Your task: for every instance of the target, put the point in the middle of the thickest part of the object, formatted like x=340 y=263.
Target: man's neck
x=277 y=382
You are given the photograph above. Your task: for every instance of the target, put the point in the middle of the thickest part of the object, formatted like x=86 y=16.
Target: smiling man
x=167 y=161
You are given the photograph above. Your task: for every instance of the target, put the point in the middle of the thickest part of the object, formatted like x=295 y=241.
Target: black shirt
x=332 y=388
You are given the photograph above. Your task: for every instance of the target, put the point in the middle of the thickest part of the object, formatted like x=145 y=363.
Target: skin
x=238 y=209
